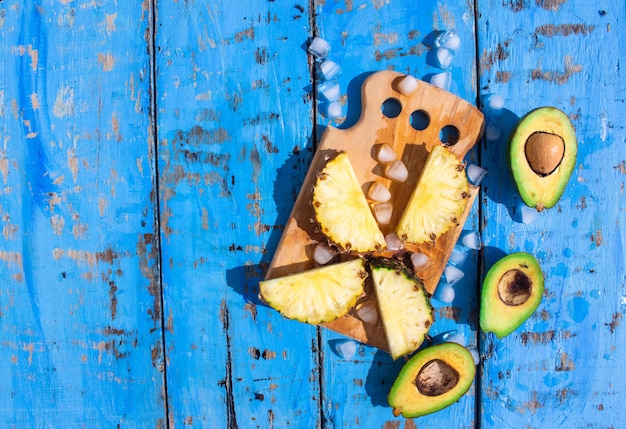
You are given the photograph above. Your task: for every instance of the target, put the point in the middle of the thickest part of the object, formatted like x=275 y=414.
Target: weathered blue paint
x=80 y=324
x=103 y=222
x=562 y=367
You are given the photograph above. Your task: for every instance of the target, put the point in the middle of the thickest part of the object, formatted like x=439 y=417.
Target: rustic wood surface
x=150 y=156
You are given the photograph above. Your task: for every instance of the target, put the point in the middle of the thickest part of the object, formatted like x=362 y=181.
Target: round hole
x=420 y=120
x=449 y=135
x=391 y=108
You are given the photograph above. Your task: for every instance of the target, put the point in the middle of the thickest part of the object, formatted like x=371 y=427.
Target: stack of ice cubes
x=328 y=71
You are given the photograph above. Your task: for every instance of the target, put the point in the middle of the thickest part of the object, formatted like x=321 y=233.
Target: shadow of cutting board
x=412 y=125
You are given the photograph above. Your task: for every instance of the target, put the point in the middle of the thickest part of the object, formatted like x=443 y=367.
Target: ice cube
x=329 y=69
x=378 y=192
x=444 y=57
x=457 y=256
x=334 y=110
x=442 y=80
x=323 y=254
x=445 y=293
x=408 y=85
x=493 y=131
x=494 y=102
x=345 y=349
x=454 y=337
x=471 y=239
x=453 y=274
x=319 y=47
x=382 y=212
x=475 y=174
x=526 y=215
x=474 y=352
x=393 y=242
x=330 y=90
x=419 y=260
x=448 y=39
x=368 y=312
x=397 y=171
x=386 y=154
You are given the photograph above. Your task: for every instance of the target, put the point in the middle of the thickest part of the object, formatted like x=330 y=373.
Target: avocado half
x=512 y=291
x=542 y=150
x=434 y=378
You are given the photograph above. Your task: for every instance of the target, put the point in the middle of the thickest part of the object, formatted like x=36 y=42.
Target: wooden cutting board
x=413 y=132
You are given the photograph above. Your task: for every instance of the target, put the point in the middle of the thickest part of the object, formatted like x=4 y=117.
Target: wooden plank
x=80 y=326
x=562 y=368
x=365 y=38
x=235 y=126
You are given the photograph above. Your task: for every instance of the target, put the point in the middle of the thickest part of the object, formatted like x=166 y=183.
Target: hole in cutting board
x=391 y=107
x=449 y=135
x=420 y=120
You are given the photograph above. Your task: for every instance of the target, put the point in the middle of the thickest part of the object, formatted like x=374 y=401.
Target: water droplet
x=578 y=309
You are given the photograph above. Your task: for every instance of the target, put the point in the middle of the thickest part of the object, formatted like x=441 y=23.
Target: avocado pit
x=544 y=152
x=436 y=377
x=514 y=287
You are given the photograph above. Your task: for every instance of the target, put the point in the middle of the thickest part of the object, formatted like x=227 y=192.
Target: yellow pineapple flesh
x=342 y=210
x=317 y=295
x=403 y=305
x=438 y=200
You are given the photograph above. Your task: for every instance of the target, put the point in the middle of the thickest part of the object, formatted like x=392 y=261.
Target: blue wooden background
x=151 y=152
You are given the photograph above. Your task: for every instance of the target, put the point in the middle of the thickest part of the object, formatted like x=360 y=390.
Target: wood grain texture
x=562 y=368
x=80 y=324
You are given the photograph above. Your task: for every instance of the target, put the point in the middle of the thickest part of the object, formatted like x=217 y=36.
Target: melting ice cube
x=330 y=90
x=397 y=171
x=475 y=174
x=448 y=39
x=494 y=101
x=345 y=349
x=454 y=337
x=382 y=212
x=378 y=192
x=419 y=260
x=323 y=254
x=329 y=69
x=333 y=110
x=471 y=239
x=457 y=256
x=526 y=214
x=368 y=313
x=445 y=293
x=386 y=154
x=407 y=85
x=474 y=352
x=442 y=80
x=393 y=242
x=444 y=57
x=453 y=274
x=319 y=47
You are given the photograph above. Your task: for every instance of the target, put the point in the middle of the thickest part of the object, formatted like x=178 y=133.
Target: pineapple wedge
x=318 y=295
x=438 y=200
x=403 y=305
x=342 y=211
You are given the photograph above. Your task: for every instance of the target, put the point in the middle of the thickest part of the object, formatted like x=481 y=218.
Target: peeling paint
x=558 y=77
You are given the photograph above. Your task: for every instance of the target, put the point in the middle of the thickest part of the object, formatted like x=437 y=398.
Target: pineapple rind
x=318 y=295
x=404 y=307
x=438 y=200
x=342 y=211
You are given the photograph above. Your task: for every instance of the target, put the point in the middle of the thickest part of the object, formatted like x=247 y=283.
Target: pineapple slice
x=318 y=295
x=438 y=200
x=342 y=211
x=403 y=305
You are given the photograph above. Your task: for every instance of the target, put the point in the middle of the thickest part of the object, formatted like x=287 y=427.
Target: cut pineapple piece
x=404 y=308
x=318 y=295
x=438 y=200
x=342 y=211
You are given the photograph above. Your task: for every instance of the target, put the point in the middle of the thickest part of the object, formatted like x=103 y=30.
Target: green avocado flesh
x=512 y=291
x=433 y=379
x=542 y=151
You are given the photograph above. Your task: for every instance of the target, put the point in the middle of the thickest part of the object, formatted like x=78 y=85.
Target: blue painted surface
x=146 y=175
